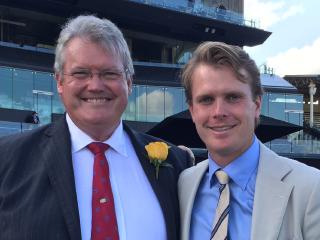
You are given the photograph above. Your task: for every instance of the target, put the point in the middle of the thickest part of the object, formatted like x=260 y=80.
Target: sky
x=294 y=45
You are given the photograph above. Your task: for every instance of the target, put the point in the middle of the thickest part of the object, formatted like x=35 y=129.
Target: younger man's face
x=223 y=111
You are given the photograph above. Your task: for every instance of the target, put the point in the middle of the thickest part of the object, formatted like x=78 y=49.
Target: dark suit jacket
x=37 y=190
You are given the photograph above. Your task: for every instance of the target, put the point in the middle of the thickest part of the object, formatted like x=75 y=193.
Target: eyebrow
x=199 y=97
x=224 y=94
x=99 y=67
x=235 y=92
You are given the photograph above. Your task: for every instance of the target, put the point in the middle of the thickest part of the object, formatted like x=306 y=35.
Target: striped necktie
x=220 y=226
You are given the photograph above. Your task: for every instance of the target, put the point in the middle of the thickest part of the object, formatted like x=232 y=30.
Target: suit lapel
x=160 y=186
x=60 y=170
x=148 y=168
x=188 y=185
x=271 y=195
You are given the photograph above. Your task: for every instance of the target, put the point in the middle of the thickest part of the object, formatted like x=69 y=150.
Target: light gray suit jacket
x=286 y=201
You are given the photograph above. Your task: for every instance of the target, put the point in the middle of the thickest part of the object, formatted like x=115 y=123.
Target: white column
x=312 y=91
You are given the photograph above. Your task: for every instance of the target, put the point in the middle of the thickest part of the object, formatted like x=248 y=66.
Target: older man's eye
x=80 y=74
x=111 y=75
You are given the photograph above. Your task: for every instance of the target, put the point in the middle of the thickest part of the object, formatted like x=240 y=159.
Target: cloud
x=151 y=106
x=297 y=61
x=267 y=13
x=292 y=11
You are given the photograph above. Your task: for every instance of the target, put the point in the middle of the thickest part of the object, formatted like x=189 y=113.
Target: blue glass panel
x=141 y=103
x=57 y=106
x=277 y=105
x=294 y=108
x=130 y=112
x=155 y=104
x=43 y=103
x=43 y=95
x=22 y=89
x=265 y=105
x=42 y=81
x=28 y=126
x=5 y=87
x=7 y=128
x=185 y=57
x=174 y=99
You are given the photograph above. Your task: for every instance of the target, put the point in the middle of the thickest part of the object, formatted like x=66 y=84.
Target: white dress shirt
x=139 y=215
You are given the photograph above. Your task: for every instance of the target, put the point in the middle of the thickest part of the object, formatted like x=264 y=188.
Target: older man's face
x=95 y=103
x=224 y=112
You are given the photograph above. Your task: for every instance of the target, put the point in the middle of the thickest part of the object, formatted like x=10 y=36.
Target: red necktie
x=104 y=222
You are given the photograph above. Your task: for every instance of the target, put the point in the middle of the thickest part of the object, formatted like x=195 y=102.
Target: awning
x=180 y=130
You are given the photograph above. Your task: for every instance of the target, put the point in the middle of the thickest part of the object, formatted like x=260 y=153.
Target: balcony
x=199 y=9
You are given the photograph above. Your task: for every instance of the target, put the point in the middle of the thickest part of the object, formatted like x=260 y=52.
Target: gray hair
x=100 y=31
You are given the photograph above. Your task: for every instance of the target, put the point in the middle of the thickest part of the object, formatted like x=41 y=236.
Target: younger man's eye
x=233 y=98
x=206 y=100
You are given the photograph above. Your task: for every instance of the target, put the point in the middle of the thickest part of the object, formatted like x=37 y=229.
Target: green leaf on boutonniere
x=157 y=154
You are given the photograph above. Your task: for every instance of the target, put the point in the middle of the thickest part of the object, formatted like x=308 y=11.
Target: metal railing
x=316 y=120
x=300 y=142
x=200 y=9
x=8 y=128
x=27 y=47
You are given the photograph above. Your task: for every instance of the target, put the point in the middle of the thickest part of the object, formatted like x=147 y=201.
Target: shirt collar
x=242 y=168
x=79 y=139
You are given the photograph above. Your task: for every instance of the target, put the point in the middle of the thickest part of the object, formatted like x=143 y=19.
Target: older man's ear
x=190 y=153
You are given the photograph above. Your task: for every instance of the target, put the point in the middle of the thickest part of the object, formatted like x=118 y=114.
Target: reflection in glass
x=264 y=106
x=42 y=81
x=294 y=108
x=7 y=128
x=57 y=106
x=141 y=105
x=22 y=89
x=130 y=112
x=43 y=103
x=28 y=90
x=184 y=57
x=5 y=87
x=155 y=104
x=174 y=99
x=42 y=95
x=277 y=106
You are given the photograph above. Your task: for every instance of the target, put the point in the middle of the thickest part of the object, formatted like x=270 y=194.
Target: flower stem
x=157 y=171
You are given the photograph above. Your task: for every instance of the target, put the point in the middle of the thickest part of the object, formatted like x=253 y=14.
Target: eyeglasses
x=105 y=75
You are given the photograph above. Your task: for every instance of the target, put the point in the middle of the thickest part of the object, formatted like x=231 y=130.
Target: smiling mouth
x=222 y=129
x=96 y=100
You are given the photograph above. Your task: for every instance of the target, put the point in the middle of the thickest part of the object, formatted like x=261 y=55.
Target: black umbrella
x=180 y=130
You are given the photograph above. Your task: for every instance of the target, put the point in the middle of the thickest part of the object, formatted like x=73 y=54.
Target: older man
x=243 y=190
x=88 y=176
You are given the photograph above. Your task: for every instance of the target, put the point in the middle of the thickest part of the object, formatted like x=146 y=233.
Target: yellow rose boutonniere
x=158 y=153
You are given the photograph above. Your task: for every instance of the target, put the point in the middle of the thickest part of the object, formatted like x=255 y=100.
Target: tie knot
x=222 y=177
x=97 y=147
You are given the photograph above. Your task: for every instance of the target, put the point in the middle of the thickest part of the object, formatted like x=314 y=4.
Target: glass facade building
x=24 y=89
x=27 y=43
x=29 y=90
x=33 y=90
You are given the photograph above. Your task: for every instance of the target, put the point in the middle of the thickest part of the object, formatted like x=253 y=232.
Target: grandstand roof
x=301 y=82
x=275 y=81
x=135 y=16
